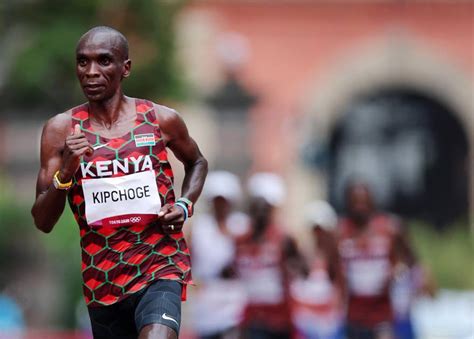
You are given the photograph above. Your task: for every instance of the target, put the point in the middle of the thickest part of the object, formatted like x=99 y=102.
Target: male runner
x=372 y=246
x=108 y=157
x=219 y=301
x=267 y=259
x=318 y=299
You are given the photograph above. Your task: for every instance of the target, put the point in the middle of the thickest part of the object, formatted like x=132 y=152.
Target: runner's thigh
x=160 y=304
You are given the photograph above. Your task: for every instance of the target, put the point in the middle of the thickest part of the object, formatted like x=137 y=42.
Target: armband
x=188 y=204
x=184 y=208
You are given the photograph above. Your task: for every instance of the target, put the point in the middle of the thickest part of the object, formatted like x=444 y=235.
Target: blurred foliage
x=448 y=254
x=43 y=71
x=25 y=247
x=14 y=223
x=63 y=249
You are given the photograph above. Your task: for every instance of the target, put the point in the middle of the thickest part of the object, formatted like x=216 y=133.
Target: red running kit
x=368 y=260
x=116 y=196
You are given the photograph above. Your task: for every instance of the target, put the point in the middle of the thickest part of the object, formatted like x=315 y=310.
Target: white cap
x=320 y=213
x=268 y=186
x=222 y=184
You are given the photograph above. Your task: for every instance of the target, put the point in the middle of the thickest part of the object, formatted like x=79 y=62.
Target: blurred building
x=381 y=90
x=321 y=91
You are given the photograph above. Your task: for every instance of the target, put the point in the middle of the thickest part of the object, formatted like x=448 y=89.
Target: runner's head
x=267 y=192
x=261 y=214
x=359 y=201
x=223 y=190
x=268 y=186
x=102 y=62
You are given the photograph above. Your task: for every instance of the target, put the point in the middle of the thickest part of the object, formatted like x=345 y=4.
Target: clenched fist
x=75 y=146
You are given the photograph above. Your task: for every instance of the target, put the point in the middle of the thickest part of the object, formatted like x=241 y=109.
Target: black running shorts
x=159 y=303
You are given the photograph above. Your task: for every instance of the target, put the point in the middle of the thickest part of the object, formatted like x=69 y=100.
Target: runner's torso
x=218 y=302
x=317 y=305
x=260 y=264
x=367 y=262
x=116 y=196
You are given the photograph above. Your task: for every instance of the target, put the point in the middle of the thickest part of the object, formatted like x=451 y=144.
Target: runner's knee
x=157 y=331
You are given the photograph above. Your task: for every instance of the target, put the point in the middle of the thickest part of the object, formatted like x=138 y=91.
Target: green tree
x=42 y=77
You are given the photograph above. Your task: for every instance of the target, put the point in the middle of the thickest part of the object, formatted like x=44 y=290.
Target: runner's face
x=100 y=66
x=320 y=235
x=222 y=207
x=360 y=201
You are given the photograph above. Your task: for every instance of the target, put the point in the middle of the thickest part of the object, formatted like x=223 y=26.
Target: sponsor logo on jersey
x=146 y=139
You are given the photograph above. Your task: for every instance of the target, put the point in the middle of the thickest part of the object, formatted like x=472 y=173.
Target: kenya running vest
x=117 y=194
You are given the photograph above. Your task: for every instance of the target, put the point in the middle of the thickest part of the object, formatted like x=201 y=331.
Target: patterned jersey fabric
x=125 y=251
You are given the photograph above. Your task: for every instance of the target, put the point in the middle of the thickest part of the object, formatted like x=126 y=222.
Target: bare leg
x=157 y=331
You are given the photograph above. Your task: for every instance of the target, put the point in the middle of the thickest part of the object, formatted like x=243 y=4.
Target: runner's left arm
x=178 y=140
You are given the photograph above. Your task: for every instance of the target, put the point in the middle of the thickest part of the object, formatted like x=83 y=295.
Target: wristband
x=185 y=209
x=61 y=185
x=188 y=204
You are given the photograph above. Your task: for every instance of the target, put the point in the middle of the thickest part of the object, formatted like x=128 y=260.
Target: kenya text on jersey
x=106 y=168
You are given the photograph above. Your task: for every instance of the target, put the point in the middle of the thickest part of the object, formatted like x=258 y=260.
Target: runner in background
x=267 y=259
x=411 y=279
x=372 y=247
x=318 y=299
x=219 y=299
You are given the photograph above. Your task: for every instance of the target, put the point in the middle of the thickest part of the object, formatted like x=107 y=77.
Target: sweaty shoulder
x=58 y=126
x=172 y=125
x=386 y=224
x=55 y=132
x=166 y=114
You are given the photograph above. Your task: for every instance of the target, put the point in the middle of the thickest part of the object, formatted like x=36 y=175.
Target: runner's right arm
x=60 y=150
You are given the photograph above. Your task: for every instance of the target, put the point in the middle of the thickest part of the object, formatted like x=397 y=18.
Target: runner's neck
x=108 y=112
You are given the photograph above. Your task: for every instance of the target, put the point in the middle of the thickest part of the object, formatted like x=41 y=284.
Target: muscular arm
x=177 y=139
x=402 y=250
x=60 y=150
x=50 y=202
x=295 y=262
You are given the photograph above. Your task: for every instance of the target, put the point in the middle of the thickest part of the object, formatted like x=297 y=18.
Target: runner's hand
x=172 y=218
x=75 y=146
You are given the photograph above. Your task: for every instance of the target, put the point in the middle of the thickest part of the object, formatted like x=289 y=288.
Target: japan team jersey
x=117 y=193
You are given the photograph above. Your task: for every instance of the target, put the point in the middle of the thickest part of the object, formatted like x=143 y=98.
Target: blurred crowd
x=357 y=280
x=254 y=280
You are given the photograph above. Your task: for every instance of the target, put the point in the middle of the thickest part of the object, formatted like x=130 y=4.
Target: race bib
x=121 y=200
x=368 y=277
x=264 y=286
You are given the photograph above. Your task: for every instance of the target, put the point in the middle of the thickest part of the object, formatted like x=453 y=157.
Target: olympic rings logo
x=135 y=219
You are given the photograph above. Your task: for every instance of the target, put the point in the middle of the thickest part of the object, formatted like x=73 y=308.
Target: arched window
x=409 y=147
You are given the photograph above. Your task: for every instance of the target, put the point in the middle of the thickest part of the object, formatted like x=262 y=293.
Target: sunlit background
x=318 y=91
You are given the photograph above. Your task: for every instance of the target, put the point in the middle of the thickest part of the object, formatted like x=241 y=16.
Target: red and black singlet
x=115 y=199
